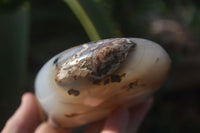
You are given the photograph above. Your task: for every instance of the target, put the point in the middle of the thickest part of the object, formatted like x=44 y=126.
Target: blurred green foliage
x=14 y=42
x=84 y=18
x=6 y=5
x=175 y=24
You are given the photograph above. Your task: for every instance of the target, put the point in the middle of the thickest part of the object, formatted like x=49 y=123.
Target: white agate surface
x=145 y=70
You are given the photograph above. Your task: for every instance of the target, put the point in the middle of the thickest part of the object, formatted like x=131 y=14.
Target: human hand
x=27 y=119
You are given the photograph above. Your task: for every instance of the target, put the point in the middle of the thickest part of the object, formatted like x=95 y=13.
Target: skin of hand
x=26 y=119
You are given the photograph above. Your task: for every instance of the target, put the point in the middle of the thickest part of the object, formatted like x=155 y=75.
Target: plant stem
x=84 y=19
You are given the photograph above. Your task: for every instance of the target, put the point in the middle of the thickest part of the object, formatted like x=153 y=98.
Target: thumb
x=26 y=118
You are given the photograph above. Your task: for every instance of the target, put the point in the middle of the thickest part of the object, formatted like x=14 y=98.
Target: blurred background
x=32 y=31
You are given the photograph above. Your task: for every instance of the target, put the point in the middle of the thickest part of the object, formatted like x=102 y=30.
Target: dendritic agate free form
x=85 y=83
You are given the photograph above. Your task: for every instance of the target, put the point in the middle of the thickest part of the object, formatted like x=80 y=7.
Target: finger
x=48 y=128
x=95 y=127
x=137 y=115
x=117 y=122
x=26 y=118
